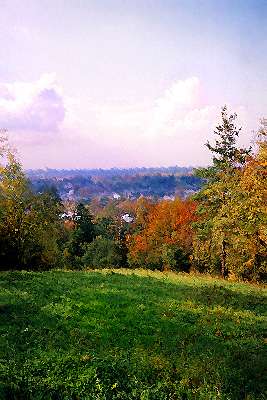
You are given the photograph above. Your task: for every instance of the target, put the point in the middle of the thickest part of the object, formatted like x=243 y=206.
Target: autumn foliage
x=164 y=234
x=230 y=234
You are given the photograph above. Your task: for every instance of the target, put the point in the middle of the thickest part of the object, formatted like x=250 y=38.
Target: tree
x=102 y=253
x=163 y=236
x=226 y=155
x=82 y=233
x=29 y=223
x=248 y=217
x=227 y=159
x=222 y=199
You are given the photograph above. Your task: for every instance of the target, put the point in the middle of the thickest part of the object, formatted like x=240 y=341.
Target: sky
x=117 y=83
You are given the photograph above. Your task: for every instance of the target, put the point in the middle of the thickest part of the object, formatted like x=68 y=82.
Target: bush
x=102 y=253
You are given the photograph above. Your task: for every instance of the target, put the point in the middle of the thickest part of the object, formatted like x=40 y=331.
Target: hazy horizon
x=112 y=83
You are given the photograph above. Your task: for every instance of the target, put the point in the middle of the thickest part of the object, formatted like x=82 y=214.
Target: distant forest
x=85 y=184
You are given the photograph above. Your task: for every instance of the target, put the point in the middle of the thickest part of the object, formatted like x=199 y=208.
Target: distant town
x=86 y=184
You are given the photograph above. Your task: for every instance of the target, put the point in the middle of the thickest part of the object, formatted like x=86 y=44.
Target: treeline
x=85 y=187
x=222 y=229
x=106 y=173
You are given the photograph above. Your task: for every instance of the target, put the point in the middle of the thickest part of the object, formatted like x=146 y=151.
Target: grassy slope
x=105 y=335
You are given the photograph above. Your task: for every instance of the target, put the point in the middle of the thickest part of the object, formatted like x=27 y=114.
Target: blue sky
x=128 y=83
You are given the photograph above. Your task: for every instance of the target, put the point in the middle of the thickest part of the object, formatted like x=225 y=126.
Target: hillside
x=130 y=335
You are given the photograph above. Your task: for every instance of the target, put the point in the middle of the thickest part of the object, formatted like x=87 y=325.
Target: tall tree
x=212 y=234
x=248 y=217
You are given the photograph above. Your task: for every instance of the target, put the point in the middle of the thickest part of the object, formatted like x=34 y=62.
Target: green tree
x=247 y=217
x=102 y=253
x=29 y=223
x=212 y=229
x=106 y=227
x=82 y=234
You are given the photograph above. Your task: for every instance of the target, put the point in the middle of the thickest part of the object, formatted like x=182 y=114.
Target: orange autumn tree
x=163 y=240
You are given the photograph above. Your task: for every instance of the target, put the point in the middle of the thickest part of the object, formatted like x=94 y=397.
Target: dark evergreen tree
x=83 y=233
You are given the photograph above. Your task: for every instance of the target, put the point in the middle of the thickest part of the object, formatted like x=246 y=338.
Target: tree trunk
x=224 y=270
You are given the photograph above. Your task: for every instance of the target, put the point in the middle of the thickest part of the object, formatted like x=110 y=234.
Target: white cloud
x=174 y=104
x=173 y=114
x=173 y=111
x=32 y=106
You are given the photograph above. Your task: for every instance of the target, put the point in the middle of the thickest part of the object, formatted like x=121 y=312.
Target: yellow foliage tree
x=29 y=223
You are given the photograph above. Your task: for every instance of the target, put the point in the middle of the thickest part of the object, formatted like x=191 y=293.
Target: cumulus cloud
x=172 y=129
x=177 y=109
x=32 y=106
x=173 y=114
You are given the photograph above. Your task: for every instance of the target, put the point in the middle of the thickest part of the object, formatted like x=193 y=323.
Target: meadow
x=130 y=334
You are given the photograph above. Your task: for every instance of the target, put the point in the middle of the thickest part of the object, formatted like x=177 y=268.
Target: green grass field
x=130 y=335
